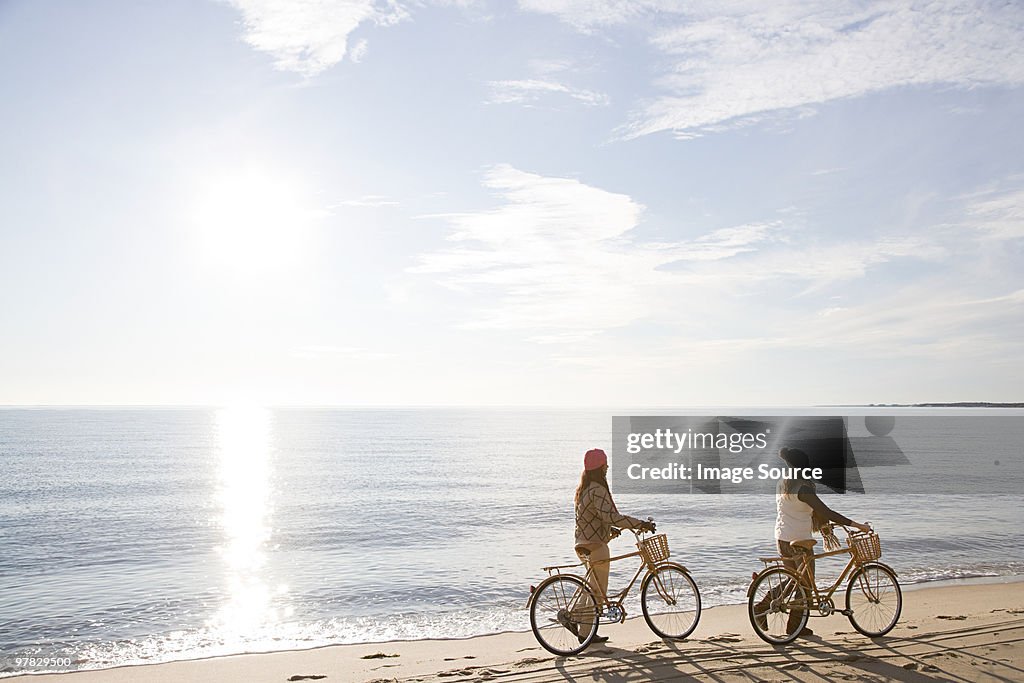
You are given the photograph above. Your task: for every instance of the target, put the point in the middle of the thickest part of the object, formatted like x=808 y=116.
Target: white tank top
x=794 y=517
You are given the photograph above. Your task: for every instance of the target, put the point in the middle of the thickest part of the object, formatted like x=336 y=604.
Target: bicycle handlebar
x=846 y=528
x=616 y=532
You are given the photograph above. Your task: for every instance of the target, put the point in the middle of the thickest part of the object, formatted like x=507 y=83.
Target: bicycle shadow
x=806 y=659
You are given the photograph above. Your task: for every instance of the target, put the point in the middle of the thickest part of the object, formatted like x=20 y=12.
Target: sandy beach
x=961 y=632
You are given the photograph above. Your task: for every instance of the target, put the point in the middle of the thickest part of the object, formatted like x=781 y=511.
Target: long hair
x=795 y=458
x=589 y=477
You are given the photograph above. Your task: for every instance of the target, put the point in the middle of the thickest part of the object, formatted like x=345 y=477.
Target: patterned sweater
x=596 y=514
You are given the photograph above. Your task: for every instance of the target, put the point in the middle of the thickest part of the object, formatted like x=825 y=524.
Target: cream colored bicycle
x=564 y=613
x=780 y=599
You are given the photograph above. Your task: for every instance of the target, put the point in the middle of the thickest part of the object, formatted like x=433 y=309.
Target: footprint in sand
x=644 y=649
x=958 y=617
x=725 y=638
x=311 y=677
x=378 y=655
x=487 y=673
x=529 y=661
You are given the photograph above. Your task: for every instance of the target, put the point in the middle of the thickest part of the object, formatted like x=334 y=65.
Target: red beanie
x=594 y=459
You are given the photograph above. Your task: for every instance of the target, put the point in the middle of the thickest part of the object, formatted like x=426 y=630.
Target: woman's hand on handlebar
x=862 y=527
x=649 y=525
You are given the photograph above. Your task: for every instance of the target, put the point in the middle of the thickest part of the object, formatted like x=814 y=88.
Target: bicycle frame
x=610 y=599
x=806 y=578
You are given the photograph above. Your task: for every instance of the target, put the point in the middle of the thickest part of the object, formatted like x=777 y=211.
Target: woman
x=799 y=513
x=595 y=516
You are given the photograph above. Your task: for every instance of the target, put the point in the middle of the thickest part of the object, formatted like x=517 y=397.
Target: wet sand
x=959 y=633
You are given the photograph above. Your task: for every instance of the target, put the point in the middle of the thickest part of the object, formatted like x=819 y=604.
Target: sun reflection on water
x=244 y=498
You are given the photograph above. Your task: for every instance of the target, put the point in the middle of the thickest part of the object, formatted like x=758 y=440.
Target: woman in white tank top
x=799 y=513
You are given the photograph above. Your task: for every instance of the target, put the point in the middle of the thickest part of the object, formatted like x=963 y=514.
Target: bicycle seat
x=806 y=544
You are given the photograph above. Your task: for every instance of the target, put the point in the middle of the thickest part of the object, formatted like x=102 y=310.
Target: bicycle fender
x=534 y=590
x=750 y=588
x=668 y=564
x=876 y=563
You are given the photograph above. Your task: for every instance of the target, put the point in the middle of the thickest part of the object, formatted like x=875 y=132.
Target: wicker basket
x=654 y=549
x=866 y=546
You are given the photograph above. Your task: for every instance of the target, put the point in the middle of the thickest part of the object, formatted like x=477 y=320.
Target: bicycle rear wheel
x=874 y=600
x=563 y=615
x=670 y=601
x=778 y=606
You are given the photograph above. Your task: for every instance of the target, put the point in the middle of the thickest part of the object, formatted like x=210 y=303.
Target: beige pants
x=596 y=554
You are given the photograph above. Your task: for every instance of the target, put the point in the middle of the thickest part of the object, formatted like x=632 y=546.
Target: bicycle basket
x=866 y=546
x=654 y=549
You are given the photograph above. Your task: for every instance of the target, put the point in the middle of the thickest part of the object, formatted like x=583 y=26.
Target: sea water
x=144 y=535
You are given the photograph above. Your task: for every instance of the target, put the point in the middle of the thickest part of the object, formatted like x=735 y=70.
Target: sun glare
x=252 y=221
x=243 y=439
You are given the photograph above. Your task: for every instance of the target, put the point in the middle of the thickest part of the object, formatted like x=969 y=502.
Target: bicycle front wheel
x=777 y=606
x=874 y=600
x=670 y=601
x=563 y=615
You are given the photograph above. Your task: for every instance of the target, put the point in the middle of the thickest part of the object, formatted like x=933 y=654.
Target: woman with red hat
x=596 y=514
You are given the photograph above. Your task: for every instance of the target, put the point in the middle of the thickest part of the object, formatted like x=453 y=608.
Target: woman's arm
x=606 y=509
x=823 y=511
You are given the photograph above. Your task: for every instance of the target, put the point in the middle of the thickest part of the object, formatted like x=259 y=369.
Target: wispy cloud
x=309 y=36
x=729 y=61
x=531 y=91
x=556 y=258
x=998 y=212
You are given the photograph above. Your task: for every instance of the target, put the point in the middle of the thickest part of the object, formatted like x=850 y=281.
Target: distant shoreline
x=354 y=407
x=961 y=404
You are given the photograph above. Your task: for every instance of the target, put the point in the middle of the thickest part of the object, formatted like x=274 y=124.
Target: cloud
x=589 y=14
x=729 y=61
x=530 y=91
x=309 y=36
x=998 y=213
x=556 y=258
x=553 y=253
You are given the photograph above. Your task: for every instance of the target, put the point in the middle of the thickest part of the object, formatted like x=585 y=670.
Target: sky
x=549 y=203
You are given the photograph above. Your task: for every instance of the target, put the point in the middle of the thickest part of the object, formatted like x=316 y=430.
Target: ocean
x=145 y=535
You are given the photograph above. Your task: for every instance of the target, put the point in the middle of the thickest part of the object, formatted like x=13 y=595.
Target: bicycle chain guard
x=614 y=614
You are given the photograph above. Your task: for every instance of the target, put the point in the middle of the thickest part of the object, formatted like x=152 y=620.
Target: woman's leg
x=795 y=559
x=596 y=555
x=600 y=566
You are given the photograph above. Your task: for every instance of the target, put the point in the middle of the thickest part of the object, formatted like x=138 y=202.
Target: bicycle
x=873 y=596
x=565 y=614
